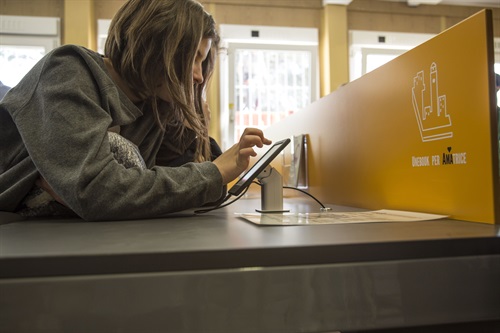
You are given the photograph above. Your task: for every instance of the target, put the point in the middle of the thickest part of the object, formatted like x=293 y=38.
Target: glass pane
x=16 y=61
x=497 y=70
x=376 y=60
x=269 y=85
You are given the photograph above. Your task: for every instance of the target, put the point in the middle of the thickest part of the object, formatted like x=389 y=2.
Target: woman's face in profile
x=201 y=54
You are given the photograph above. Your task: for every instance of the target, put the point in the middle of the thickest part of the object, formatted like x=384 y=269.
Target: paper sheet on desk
x=383 y=215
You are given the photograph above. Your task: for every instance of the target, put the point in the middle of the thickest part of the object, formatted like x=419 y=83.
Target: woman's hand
x=236 y=159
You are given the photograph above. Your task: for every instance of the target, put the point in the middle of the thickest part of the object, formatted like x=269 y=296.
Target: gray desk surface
x=219 y=239
x=216 y=272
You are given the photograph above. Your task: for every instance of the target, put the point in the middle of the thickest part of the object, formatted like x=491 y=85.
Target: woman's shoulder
x=64 y=68
x=75 y=61
x=75 y=51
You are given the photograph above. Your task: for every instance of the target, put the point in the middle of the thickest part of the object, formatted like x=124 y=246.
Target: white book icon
x=433 y=120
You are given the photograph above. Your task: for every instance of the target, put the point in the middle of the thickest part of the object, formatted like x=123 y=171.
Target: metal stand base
x=272 y=191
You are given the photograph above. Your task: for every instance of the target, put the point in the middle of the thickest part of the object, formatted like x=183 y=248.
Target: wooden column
x=334 y=46
x=80 y=23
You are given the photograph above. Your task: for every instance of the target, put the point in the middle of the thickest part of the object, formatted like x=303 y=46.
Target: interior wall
x=361 y=15
x=398 y=17
x=107 y=9
x=53 y=8
x=289 y=16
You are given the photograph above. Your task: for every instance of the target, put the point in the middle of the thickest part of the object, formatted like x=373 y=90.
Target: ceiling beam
x=414 y=3
x=336 y=2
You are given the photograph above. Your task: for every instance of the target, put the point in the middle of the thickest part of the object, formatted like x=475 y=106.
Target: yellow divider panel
x=418 y=133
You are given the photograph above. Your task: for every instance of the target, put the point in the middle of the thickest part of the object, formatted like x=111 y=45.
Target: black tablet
x=257 y=168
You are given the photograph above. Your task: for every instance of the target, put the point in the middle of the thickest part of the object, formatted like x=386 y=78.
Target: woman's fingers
x=237 y=158
x=253 y=137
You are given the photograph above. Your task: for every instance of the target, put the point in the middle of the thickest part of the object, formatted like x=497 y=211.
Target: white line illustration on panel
x=433 y=119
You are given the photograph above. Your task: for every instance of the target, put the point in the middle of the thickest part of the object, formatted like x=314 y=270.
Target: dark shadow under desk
x=218 y=273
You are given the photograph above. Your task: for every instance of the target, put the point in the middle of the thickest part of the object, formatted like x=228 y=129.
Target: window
x=269 y=85
x=102 y=34
x=496 y=44
x=372 y=49
x=267 y=74
x=23 y=42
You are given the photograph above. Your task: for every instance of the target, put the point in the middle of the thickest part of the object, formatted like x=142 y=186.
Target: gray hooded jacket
x=54 y=123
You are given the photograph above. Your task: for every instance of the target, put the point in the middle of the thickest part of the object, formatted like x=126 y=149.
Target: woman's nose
x=197 y=75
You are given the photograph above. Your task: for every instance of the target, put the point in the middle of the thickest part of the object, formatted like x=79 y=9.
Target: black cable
x=309 y=194
x=222 y=204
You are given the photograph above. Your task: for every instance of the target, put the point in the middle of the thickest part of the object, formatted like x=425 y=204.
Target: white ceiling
x=470 y=3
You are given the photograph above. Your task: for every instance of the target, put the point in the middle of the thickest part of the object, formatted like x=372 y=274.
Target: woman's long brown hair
x=151 y=42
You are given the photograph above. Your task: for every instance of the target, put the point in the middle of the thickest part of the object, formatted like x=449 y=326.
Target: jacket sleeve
x=64 y=126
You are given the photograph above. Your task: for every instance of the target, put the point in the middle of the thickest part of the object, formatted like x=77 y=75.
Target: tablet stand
x=271 y=191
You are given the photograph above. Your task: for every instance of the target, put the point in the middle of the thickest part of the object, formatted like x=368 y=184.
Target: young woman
x=98 y=136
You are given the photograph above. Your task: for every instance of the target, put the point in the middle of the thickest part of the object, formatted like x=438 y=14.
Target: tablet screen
x=257 y=168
